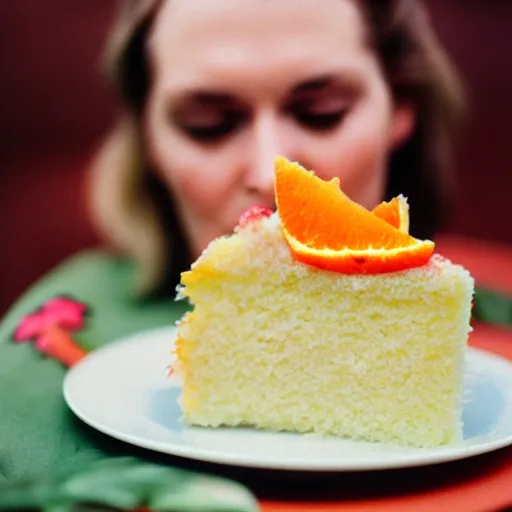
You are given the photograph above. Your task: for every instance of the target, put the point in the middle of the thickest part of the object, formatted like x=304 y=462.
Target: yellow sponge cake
x=280 y=344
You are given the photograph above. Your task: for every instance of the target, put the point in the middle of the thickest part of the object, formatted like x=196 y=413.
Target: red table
x=482 y=483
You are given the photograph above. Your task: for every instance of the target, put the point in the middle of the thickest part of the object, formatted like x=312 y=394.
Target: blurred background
x=54 y=109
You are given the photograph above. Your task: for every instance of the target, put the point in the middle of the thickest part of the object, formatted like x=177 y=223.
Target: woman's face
x=235 y=84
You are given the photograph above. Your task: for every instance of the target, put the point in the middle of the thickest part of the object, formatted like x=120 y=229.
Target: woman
x=212 y=91
x=361 y=90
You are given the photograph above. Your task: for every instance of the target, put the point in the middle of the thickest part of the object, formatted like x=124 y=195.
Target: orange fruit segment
x=326 y=229
x=394 y=212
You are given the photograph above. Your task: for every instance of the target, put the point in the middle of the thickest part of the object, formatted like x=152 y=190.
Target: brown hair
x=134 y=211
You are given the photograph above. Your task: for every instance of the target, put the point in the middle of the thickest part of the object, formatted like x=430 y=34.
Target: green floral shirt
x=50 y=460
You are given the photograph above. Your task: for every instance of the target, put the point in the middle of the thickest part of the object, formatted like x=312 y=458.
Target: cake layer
x=279 y=345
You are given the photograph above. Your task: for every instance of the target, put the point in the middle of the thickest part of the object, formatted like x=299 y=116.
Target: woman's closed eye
x=213 y=129
x=319 y=121
x=320 y=112
x=208 y=117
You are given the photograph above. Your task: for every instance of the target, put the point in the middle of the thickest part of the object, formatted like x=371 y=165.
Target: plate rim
x=436 y=455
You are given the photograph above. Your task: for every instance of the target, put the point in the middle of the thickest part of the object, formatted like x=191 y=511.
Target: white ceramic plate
x=123 y=390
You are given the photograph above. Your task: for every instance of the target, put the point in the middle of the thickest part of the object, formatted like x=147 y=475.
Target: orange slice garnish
x=327 y=230
x=394 y=212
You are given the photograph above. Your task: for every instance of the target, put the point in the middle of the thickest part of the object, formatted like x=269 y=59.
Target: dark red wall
x=54 y=108
x=52 y=97
x=478 y=34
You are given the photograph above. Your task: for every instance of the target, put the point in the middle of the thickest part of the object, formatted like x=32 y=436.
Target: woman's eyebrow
x=204 y=97
x=313 y=84
x=210 y=97
x=346 y=78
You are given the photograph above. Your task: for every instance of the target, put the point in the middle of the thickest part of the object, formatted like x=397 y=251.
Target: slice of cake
x=325 y=317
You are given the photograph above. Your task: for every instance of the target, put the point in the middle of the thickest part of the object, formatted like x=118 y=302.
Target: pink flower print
x=50 y=327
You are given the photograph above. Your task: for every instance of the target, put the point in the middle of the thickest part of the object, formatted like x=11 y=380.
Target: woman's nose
x=267 y=143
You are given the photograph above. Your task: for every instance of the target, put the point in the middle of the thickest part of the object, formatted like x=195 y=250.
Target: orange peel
x=394 y=212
